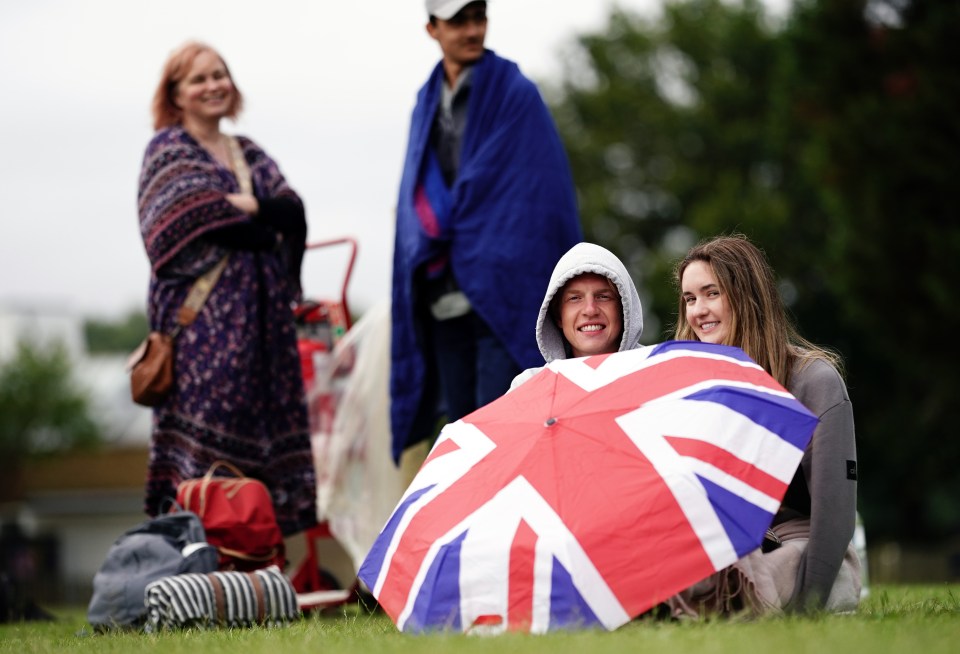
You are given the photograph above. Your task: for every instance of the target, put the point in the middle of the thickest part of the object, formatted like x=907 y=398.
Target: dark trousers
x=473 y=366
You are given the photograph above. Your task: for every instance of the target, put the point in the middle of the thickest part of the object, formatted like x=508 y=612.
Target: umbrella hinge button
x=549 y=422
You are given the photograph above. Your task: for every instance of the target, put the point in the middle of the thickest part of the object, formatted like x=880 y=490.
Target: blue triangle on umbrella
x=725 y=350
x=744 y=522
x=568 y=610
x=785 y=417
x=438 y=603
x=372 y=565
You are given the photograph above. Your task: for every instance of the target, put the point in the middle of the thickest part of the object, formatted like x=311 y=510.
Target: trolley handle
x=352 y=243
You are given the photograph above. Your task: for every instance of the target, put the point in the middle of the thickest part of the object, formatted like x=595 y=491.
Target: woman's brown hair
x=165 y=109
x=759 y=322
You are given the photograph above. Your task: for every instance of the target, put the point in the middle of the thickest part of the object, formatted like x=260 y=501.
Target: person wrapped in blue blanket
x=486 y=207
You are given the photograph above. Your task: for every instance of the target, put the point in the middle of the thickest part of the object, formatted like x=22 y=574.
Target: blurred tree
x=109 y=337
x=41 y=410
x=830 y=140
x=871 y=88
x=664 y=124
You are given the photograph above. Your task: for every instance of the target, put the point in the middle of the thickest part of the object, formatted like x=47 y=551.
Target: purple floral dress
x=239 y=392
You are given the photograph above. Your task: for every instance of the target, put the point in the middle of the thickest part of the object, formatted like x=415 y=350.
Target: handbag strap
x=198 y=295
x=220 y=463
x=237 y=480
x=240 y=168
x=246 y=556
x=204 y=284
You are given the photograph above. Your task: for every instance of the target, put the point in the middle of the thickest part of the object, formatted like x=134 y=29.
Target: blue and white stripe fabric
x=229 y=599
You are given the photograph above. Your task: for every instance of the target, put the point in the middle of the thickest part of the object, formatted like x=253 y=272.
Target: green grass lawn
x=922 y=619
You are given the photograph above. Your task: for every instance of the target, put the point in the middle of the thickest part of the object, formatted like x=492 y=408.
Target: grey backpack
x=169 y=544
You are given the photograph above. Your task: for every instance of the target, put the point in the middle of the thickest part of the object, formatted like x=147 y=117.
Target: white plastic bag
x=358 y=484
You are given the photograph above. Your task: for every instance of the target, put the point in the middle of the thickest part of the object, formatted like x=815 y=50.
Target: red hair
x=165 y=110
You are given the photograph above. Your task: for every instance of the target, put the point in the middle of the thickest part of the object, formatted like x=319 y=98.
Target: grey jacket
x=826 y=484
x=585 y=258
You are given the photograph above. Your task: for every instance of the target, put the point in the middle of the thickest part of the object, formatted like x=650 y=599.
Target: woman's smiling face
x=708 y=313
x=206 y=92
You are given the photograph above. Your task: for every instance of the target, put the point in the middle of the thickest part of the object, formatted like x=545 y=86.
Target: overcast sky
x=328 y=94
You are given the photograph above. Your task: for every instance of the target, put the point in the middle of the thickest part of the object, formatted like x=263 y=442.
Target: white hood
x=589 y=258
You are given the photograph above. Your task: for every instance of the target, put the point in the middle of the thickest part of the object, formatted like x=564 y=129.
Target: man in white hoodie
x=591 y=307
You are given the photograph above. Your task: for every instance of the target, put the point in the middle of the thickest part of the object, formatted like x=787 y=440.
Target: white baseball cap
x=446 y=9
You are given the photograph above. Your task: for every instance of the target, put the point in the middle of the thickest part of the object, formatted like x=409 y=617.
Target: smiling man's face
x=591 y=315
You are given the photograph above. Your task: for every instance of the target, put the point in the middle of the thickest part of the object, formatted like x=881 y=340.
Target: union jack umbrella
x=591 y=493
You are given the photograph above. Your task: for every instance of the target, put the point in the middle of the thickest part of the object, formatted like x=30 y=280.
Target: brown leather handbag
x=151 y=364
x=151 y=369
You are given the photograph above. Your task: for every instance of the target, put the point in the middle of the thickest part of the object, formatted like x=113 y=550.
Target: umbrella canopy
x=594 y=491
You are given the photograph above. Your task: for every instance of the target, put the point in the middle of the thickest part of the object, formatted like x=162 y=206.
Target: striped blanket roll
x=231 y=599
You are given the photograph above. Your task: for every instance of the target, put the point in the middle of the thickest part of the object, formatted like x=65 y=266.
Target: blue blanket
x=511 y=215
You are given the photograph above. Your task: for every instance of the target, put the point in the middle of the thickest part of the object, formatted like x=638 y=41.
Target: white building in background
x=73 y=508
x=41 y=327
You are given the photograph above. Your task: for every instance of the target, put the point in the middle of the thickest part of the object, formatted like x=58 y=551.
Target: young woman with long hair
x=728 y=295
